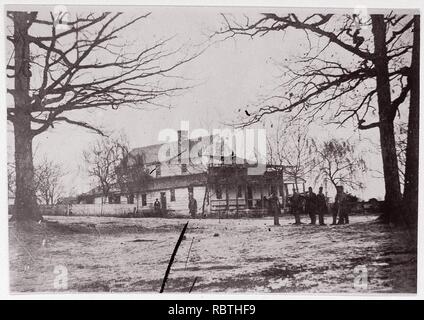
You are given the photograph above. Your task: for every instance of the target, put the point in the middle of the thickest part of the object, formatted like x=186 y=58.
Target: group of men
x=311 y=203
x=316 y=204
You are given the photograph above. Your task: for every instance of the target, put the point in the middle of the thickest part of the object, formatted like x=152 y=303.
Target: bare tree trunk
x=333 y=182
x=410 y=196
x=101 y=206
x=392 y=211
x=26 y=201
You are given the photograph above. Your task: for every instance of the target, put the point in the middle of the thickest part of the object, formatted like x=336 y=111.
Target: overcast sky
x=229 y=76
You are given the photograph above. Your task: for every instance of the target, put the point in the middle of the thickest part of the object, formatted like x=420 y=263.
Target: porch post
x=261 y=185
x=245 y=195
x=226 y=195
x=237 y=189
x=283 y=198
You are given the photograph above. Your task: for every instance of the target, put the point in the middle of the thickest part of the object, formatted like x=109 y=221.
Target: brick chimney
x=183 y=146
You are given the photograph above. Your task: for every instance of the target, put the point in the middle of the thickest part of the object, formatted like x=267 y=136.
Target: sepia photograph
x=198 y=150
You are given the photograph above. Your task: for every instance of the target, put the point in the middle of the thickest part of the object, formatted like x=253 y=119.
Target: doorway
x=163 y=201
x=249 y=197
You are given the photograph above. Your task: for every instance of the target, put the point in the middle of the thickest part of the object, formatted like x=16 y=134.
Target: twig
x=192 y=285
x=171 y=261
x=188 y=253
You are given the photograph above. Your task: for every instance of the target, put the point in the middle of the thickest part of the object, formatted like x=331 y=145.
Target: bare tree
x=132 y=174
x=340 y=163
x=103 y=158
x=370 y=86
x=61 y=67
x=290 y=145
x=48 y=182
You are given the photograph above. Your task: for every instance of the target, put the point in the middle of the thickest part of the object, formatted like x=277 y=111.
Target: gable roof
x=150 y=153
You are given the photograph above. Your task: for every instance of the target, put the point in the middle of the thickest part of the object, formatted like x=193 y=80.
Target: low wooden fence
x=108 y=210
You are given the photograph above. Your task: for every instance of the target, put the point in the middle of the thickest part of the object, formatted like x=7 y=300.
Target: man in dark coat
x=321 y=206
x=341 y=207
x=156 y=206
x=295 y=204
x=274 y=208
x=192 y=206
x=310 y=205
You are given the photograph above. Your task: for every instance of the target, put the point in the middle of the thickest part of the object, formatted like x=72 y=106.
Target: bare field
x=246 y=255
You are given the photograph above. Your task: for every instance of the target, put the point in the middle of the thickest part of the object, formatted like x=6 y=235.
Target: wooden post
x=261 y=185
x=237 y=204
x=245 y=195
x=283 y=197
x=237 y=189
x=227 y=204
x=204 y=199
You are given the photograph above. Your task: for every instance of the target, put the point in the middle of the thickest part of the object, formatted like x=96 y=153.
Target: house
x=220 y=181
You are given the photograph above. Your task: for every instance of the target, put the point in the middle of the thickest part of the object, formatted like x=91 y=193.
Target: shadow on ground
x=99 y=254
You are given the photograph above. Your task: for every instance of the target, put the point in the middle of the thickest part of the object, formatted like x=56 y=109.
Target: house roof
x=150 y=153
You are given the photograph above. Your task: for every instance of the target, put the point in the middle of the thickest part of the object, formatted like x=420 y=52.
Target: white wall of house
x=180 y=204
x=175 y=169
x=124 y=199
x=98 y=200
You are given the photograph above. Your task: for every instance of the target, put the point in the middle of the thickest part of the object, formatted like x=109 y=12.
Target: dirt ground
x=100 y=254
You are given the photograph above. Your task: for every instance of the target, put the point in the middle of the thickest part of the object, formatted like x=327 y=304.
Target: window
x=114 y=199
x=172 y=191
x=239 y=191
x=218 y=191
x=144 y=200
x=190 y=189
x=184 y=168
x=158 y=171
x=131 y=199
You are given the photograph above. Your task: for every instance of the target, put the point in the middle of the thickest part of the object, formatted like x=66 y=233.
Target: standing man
x=192 y=206
x=295 y=206
x=321 y=206
x=310 y=205
x=340 y=207
x=156 y=207
x=274 y=208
